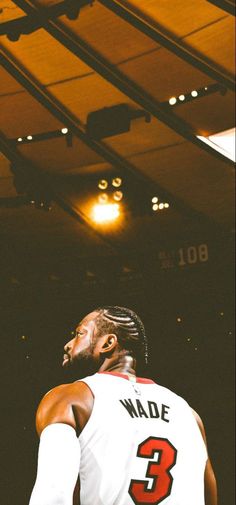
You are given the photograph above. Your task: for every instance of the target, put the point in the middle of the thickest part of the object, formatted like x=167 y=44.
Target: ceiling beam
x=167 y=40
x=67 y=118
x=225 y=5
x=112 y=74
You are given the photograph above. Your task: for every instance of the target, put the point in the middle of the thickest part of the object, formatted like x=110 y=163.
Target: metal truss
x=112 y=74
x=67 y=118
x=28 y=24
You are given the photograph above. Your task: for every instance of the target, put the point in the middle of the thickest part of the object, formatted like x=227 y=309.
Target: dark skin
x=73 y=403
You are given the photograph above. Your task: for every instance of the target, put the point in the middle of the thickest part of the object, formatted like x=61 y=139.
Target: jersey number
x=159 y=471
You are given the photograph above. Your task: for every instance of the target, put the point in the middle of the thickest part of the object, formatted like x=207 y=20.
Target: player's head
x=128 y=328
x=106 y=331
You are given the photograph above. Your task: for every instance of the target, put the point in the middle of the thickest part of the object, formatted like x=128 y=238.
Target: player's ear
x=109 y=344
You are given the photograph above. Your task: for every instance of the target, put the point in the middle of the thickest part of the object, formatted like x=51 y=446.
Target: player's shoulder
x=64 y=392
x=57 y=404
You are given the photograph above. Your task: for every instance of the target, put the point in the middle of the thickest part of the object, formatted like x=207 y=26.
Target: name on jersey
x=136 y=408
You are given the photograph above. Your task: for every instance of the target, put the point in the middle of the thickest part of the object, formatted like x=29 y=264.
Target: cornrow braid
x=128 y=327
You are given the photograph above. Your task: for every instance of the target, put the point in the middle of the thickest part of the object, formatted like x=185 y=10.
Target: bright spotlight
x=116 y=182
x=64 y=131
x=103 y=198
x=155 y=206
x=166 y=205
x=106 y=212
x=29 y=137
x=181 y=98
x=102 y=184
x=154 y=199
x=19 y=139
x=161 y=206
x=172 y=100
x=194 y=93
x=118 y=195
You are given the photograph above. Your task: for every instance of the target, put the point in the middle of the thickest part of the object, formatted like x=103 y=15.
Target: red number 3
x=159 y=471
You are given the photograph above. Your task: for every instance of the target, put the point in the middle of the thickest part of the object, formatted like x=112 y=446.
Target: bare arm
x=209 y=478
x=61 y=415
x=59 y=450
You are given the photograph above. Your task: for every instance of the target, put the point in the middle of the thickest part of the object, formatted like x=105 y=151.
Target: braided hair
x=128 y=327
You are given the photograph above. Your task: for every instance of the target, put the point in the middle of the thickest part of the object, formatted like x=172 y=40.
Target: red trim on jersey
x=141 y=380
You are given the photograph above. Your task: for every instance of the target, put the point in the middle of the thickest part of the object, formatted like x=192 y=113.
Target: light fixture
x=155 y=206
x=117 y=195
x=154 y=199
x=103 y=198
x=172 y=100
x=116 y=182
x=223 y=142
x=102 y=184
x=106 y=212
x=189 y=96
x=166 y=205
x=64 y=131
x=29 y=137
x=114 y=120
x=161 y=206
x=19 y=139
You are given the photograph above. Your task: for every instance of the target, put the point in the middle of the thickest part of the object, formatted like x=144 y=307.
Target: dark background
x=188 y=314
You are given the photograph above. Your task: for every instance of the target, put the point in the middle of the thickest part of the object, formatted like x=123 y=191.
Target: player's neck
x=119 y=363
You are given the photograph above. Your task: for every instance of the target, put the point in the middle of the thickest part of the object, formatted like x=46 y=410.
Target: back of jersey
x=140 y=446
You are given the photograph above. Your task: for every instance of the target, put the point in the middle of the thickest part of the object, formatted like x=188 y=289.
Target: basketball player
x=129 y=440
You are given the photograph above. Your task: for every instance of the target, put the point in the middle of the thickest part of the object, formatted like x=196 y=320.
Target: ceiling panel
x=108 y=34
x=22 y=115
x=8 y=85
x=143 y=137
x=216 y=42
x=181 y=18
x=47 y=59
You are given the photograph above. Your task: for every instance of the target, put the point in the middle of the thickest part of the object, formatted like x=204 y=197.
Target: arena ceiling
x=62 y=61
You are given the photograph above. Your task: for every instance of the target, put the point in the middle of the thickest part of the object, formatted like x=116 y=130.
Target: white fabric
x=58 y=466
x=110 y=440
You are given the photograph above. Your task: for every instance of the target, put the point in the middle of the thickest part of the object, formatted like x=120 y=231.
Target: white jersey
x=141 y=446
